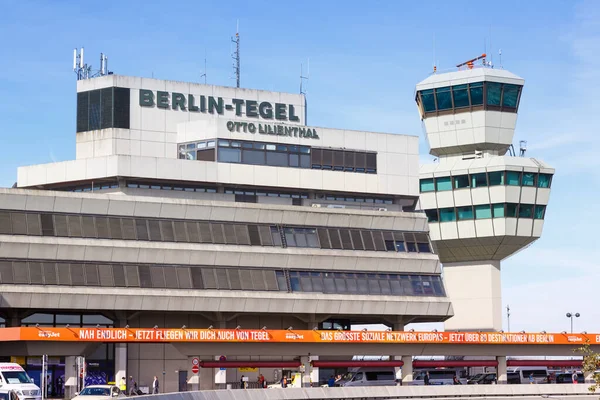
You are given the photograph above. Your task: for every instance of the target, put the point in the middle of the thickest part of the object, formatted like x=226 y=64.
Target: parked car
x=568 y=378
x=99 y=392
x=482 y=379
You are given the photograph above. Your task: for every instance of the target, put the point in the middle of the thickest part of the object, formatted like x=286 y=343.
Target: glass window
x=270 y=147
x=526 y=211
x=447 y=214
x=210 y=143
x=236 y=144
x=498 y=210
x=460 y=95
x=476 y=90
x=247 y=145
x=544 y=180
x=443 y=183
x=461 y=181
x=528 y=179
x=443 y=97
x=424 y=247
x=259 y=146
x=400 y=246
x=304 y=161
x=202 y=145
x=511 y=210
x=230 y=155
x=465 y=212
x=483 y=211
x=428 y=100
x=255 y=157
x=277 y=159
x=510 y=96
x=513 y=178
x=494 y=92
x=223 y=143
x=432 y=215
x=478 y=180
x=411 y=247
x=294 y=160
x=496 y=178
x=427 y=185
x=540 y=211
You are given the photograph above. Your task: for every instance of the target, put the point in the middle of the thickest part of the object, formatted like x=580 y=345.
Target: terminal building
x=205 y=206
x=482 y=203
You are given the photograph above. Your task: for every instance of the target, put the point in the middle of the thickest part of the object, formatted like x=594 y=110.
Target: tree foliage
x=591 y=364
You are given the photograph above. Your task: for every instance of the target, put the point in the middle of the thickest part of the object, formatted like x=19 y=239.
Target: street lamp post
x=570 y=315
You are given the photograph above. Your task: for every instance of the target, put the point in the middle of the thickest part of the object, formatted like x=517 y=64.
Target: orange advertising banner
x=150 y=335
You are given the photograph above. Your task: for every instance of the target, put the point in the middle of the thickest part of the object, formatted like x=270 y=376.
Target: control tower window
x=483 y=211
x=428 y=100
x=478 y=180
x=498 y=210
x=461 y=181
x=513 y=178
x=528 y=179
x=476 y=90
x=539 y=212
x=460 y=94
x=444 y=98
x=544 y=180
x=510 y=97
x=427 y=185
x=465 y=213
x=493 y=93
x=526 y=211
x=447 y=215
x=496 y=178
x=443 y=183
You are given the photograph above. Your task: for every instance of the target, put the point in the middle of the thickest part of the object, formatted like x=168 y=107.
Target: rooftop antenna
x=204 y=74
x=434 y=64
x=236 y=54
x=522 y=148
x=500 y=55
x=303 y=78
x=84 y=71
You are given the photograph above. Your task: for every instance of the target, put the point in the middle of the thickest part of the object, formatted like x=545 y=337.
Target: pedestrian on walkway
x=155 y=385
x=133 y=388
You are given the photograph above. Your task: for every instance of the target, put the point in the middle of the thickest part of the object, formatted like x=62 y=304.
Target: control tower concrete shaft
x=483 y=204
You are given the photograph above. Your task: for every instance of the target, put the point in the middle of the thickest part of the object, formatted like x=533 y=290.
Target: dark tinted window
x=103 y=108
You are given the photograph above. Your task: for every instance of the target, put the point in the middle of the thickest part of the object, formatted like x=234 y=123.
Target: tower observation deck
x=483 y=205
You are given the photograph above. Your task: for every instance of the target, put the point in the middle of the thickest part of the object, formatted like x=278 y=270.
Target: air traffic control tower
x=483 y=202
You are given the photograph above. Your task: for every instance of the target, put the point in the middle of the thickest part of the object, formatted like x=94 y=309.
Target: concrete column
x=70 y=377
x=120 y=362
x=407 y=370
x=305 y=360
x=501 y=374
x=477 y=301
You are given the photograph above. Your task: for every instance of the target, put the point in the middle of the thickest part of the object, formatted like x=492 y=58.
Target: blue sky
x=365 y=59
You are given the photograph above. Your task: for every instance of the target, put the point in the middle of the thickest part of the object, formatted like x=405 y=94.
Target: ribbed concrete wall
x=523 y=392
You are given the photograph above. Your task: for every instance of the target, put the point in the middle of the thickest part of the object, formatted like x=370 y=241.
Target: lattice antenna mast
x=84 y=71
x=304 y=78
x=236 y=55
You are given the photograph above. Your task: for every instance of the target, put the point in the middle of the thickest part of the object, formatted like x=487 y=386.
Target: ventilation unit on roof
x=315 y=205
x=382 y=209
x=335 y=206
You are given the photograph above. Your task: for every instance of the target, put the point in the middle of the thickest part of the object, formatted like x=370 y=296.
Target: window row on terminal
x=486 y=211
x=469 y=97
x=157 y=276
x=166 y=230
x=278 y=155
x=483 y=179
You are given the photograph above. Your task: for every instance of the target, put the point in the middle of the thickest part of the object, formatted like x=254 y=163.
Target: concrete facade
x=133 y=231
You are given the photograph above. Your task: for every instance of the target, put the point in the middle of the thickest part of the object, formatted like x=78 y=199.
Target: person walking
x=426 y=378
x=261 y=381
x=123 y=385
x=132 y=387
x=242 y=383
x=155 y=385
x=574 y=377
x=455 y=381
x=531 y=379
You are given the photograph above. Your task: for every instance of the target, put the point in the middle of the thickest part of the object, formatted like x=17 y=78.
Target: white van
x=7 y=394
x=14 y=377
x=540 y=374
x=371 y=376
